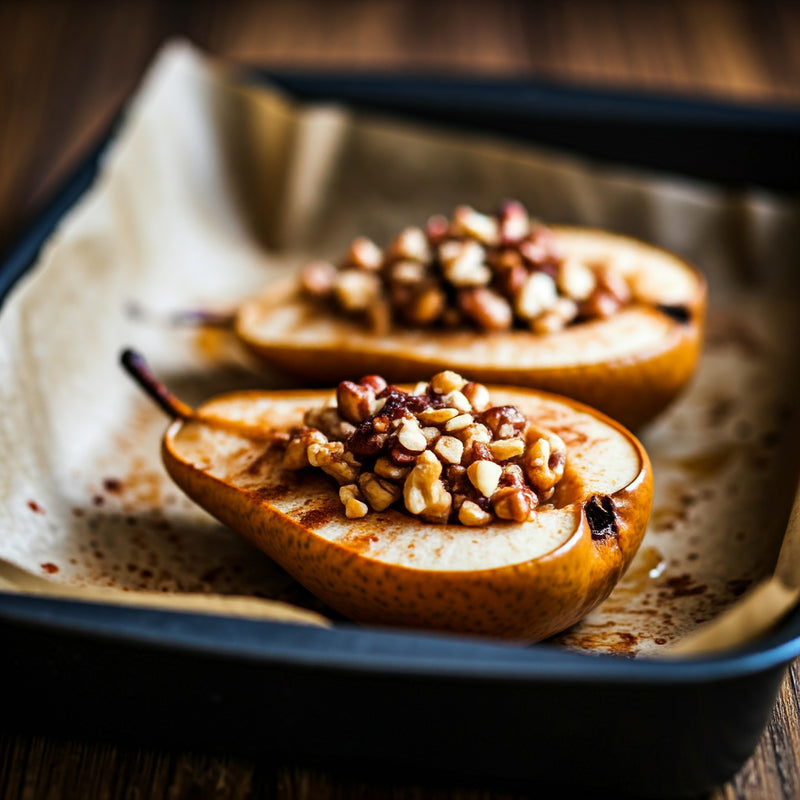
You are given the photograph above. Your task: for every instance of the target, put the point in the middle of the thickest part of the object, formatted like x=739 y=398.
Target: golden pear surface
x=524 y=581
x=630 y=365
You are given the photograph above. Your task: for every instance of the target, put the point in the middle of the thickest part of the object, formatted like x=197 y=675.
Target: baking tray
x=465 y=709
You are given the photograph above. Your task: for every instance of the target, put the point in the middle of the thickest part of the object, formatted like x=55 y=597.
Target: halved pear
x=521 y=581
x=630 y=365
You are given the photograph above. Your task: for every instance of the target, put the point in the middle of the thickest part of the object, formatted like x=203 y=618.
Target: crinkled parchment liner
x=211 y=189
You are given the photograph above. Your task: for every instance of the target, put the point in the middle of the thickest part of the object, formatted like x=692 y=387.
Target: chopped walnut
x=355 y=402
x=411 y=244
x=485 y=476
x=575 y=280
x=380 y=493
x=556 y=318
x=296 y=454
x=424 y=492
x=328 y=421
x=437 y=416
x=331 y=458
x=610 y=294
x=504 y=422
x=473 y=435
x=463 y=263
x=515 y=223
x=513 y=503
x=449 y=449
x=446 y=382
x=356 y=290
x=363 y=253
x=612 y=282
x=424 y=449
x=537 y=295
x=504 y=449
x=458 y=423
x=469 y=222
x=386 y=468
x=318 y=278
x=406 y=272
x=354 y=505
x=477 y=395
x=544 y=459
x=472 y=514
x=411 y=437
x=425 y=305
x=488 y=309
x=494 y=272
x=458 y=400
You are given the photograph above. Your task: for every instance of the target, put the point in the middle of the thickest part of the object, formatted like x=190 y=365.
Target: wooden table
x=65 y=67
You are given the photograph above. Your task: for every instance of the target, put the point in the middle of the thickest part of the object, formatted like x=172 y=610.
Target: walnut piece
x=380 y=493
x=424 y=493
x=296 y=454
x=544 y=459
x=354 y=505
x=331 y=458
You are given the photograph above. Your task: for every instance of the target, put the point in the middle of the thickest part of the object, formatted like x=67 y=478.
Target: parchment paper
x=211 y=189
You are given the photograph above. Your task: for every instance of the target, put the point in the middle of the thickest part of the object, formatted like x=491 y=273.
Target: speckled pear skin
x=633 y=387
x=525 y=601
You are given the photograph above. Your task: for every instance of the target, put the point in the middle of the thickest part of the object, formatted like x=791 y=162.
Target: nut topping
x=442 y=451
x=490 y=272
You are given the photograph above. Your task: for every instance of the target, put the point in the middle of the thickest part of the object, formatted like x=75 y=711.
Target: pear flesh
x=523 y=581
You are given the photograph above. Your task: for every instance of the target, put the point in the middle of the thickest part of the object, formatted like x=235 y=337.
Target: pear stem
x=136 y=366
x=190 y=317
x=202 y=318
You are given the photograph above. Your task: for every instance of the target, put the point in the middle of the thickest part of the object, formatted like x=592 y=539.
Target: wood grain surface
x=65 y=68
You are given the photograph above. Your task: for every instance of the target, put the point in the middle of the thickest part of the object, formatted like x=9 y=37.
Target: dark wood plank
x=65 y=68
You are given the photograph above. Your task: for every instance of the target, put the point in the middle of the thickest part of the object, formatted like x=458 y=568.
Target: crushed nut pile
x=491 y=272
x=442 y=449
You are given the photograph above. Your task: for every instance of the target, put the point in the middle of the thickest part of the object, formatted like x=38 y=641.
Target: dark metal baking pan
x=464 y=708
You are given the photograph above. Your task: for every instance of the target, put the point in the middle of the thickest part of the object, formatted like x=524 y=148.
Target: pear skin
x=630 y=365
x=524 y=581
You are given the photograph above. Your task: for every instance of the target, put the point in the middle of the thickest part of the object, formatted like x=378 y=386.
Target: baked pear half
x=596 y=316
x=521 y=543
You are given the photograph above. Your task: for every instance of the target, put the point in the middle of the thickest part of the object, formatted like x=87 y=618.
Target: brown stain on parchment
x=638 y=578
x=706 y=465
